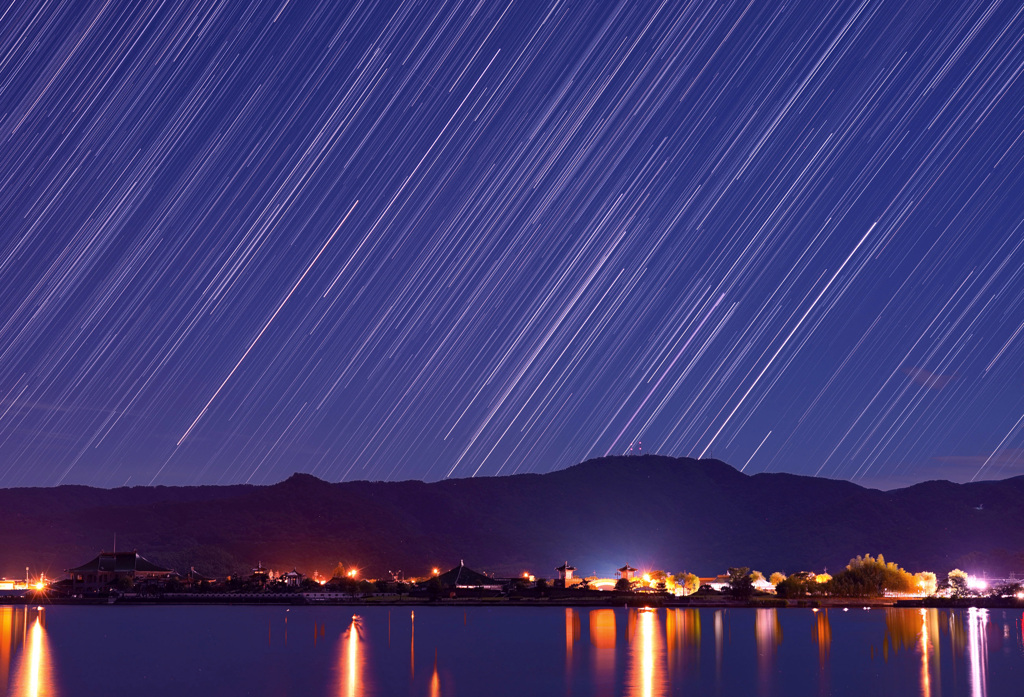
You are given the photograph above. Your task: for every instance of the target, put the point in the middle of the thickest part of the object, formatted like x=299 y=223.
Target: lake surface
x=582 y=652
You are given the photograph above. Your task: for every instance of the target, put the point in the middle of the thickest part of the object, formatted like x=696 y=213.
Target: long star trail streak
x=265 y=327
x=578 y=224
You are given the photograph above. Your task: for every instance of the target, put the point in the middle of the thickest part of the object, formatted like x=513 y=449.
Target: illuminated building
x=13 y=588
x=109 y=568
x=292 y=579
x=261 y=574
x=565 y=575
x=627 y=572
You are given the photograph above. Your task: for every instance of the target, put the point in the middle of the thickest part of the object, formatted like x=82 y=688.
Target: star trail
x=416 y=240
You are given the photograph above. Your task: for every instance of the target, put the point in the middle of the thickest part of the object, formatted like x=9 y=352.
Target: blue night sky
x=417 y=240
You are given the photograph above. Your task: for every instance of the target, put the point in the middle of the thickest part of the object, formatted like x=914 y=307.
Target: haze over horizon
x=425 y=240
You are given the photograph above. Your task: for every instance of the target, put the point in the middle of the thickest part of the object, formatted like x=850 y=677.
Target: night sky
x=418 y=240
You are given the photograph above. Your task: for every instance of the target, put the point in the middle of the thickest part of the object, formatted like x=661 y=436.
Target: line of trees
x=864 y=576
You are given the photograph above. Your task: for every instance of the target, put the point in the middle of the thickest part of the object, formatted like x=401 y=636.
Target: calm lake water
x=429 y=651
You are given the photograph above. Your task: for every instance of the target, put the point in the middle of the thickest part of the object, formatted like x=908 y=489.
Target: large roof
x=464 y=576
x=120 y=563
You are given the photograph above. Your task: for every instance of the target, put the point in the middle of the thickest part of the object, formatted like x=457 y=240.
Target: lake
x=430 y=651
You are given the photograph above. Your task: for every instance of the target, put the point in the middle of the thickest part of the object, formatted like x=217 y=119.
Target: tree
x=756 y=576
x=623 y=585
x=688 y=582
x=868 y=577
x=927 y=583
x=741 y=585
x=958 y=583
x=793 y=587
x=777 y=578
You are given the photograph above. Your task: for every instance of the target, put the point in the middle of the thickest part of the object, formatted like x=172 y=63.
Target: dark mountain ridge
x=650 y=511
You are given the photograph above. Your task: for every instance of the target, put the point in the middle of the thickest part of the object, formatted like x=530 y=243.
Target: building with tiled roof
x=106 y=571
x=464 y=577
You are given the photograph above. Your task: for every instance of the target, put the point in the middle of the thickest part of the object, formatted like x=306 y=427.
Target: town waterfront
x=76 y=650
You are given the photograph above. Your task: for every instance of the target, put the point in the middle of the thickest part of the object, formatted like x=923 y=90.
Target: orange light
x=436 y=571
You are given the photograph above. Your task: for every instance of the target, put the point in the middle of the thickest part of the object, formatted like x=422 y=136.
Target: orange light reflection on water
x=646 y=674
x=682 y=632
x=353 y=660
x=435 y=681
x=602 y=637
x=925 y=648
x=572 y=635
x=34 y=675
x=822 y=637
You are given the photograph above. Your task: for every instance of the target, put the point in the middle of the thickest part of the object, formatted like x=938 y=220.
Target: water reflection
x=12 y=636
x=822 y=637
x=25 y=647
x=646 y=677
x=525 y=656
x=602 y=629
x=901 y=631
x=682 y=632
x=929 y=648
x=572 y=630
x=977 y=642
x=572 y=635
x=352 y=659
x=435 y=680
x=602 y=637
x=719 y=640
x=768 y=636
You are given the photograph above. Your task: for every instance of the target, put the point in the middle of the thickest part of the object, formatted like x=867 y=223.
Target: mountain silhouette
x=650 y=511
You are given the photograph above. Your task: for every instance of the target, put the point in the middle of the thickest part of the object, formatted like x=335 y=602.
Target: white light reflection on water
x=977 y=650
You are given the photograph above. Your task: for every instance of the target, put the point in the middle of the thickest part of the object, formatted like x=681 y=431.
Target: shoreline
x=565 y=601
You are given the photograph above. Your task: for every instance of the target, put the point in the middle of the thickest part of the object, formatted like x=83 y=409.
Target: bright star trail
x=786 y=235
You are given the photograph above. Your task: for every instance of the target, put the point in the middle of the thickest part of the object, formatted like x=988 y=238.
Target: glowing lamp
x=975 y=583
